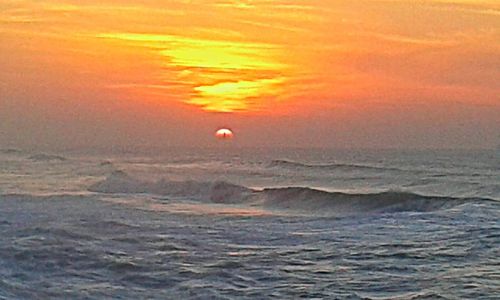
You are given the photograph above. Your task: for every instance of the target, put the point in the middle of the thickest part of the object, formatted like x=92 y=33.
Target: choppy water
x=224 y=224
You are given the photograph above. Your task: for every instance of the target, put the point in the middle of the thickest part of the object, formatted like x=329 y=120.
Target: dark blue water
x=412 y=226
x=78 y=247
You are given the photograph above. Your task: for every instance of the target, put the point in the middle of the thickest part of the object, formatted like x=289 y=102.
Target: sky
x=329 y=73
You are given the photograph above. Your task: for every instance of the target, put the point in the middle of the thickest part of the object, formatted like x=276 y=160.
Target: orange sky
x=337 y=62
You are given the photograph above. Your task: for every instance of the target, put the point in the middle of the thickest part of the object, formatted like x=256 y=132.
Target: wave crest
x=46 y=157
x=281 y=163
x=307 y=199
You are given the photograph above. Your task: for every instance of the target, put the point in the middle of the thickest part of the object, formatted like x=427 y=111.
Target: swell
x=11 y=151
x=334 y=166
x=300 y=199
x=307 y=199
x=42 y=157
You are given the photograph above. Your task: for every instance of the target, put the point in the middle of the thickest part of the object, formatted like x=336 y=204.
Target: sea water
x=232 y=223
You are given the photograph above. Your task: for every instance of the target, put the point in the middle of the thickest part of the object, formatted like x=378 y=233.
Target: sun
x=224 y=134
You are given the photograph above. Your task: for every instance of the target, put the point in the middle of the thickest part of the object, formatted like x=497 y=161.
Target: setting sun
x=224 y=134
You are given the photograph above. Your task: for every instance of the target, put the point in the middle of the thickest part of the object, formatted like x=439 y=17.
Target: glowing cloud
x=224 y=75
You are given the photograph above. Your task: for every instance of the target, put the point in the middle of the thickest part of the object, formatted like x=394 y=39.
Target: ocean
x=231 y=223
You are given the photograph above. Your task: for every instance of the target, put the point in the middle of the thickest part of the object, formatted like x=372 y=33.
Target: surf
x=298 y=199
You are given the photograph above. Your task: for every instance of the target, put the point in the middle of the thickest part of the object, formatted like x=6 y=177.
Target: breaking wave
x=299 y=199
x=219 y=191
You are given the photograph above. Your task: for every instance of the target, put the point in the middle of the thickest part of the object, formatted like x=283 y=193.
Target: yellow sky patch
x=237 y=68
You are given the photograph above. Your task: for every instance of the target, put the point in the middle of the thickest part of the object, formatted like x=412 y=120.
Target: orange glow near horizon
x=260 y=56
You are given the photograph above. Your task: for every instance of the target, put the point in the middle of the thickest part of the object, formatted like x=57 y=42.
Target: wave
x=10 y=151
x=307 y=199
x=334 y=166
x=299 y=199
x=46 y=157
x=106 y=163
